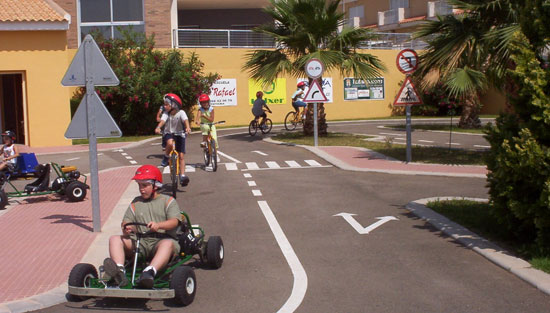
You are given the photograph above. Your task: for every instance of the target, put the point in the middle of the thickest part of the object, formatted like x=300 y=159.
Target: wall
x=43 y=59
x=228 y=62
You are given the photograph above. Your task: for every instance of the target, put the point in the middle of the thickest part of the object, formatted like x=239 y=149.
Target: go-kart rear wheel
x=3 y=199
x=81 y=276
x=184 y=283
x=214 y=252
x=76 y=191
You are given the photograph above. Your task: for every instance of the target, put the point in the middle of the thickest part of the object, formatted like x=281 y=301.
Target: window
x=395 y=4
x=110 y=17
x=358 y=11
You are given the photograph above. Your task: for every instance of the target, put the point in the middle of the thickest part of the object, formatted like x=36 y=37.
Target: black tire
x=76 y=191
x=184 y=283
x=174 y=173
x=214 y=155
x=214 y=252
x=253 y=128
x=206 y=155
x=3 y=199
x=290 y=123
x=81 y=276
x=268 y=124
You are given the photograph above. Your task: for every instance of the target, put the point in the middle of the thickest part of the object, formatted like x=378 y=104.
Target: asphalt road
x=404 y=265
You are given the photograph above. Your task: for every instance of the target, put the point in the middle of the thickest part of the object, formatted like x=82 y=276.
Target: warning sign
x=407 y=94
x=315 y=93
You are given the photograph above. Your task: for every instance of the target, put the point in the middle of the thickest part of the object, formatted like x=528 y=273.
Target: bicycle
x=175 y=171
x=210 y=151
x=292 y=119
x=265 y=127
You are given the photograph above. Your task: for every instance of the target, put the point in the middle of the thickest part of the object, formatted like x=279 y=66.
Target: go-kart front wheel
x=81 y=276
x=3 y=199
x=76 y=191
x=184 y=283
x=214 y=252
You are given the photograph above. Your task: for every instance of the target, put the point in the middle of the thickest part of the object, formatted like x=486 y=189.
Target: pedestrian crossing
x=255 y=166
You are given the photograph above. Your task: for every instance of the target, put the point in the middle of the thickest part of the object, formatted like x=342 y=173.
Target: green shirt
x=160 y=209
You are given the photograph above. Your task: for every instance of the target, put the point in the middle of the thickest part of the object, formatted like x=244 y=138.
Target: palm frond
x=464 y=81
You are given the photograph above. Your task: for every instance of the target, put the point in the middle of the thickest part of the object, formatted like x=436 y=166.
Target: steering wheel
x=140 y=224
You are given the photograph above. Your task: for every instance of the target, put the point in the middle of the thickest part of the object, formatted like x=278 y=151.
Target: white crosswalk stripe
x=272 y=164
x=189 y=169
x=231 y=166
x=252 y=165
x=293 y=163
x=313 y=163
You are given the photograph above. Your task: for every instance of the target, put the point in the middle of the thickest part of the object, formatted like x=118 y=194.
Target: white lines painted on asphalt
x=259 y=152
x=391 y=134
x=299 y=287
x=313 y=163
x=481 y=146
x=272 y=164
x=452 y=143
x=292 y=163
x=229 y=157
x=251 y=183
x=257 y=193
x=252 y=165
x=247 y=175
x=133 y=162
x=128 y=157
x=400 y=138
x=124 y=153
x=72 y=159
x=427 y=141
x=189 y=169
x=231 y=166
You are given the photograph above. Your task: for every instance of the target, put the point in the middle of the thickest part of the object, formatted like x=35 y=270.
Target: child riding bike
x=176 y=126
x=258 y=108
x=205 y=115
x=296 y=99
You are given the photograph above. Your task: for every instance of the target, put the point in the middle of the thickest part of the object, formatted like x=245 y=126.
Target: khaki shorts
x=148 y=247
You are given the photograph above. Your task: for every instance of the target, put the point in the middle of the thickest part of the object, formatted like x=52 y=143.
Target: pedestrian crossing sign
x=315 y=93
x=407 y=94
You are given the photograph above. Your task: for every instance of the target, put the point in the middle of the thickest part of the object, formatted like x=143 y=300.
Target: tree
x=145 y=75
x=306 y=29
x=469 y=52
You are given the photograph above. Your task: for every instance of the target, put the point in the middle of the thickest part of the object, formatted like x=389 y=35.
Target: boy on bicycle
x=296 y=99
x=205 y=115
x=258 y=108
x=162 y=216
x=176 y=126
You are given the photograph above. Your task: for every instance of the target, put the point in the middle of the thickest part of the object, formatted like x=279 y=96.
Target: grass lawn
x=476 y=217
x=441 y=127
x=432 y=155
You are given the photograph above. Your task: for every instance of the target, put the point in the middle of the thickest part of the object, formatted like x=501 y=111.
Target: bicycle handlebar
x=210 y=124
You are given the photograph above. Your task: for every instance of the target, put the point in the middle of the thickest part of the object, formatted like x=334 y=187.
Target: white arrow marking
x=359 y=228
x=259 y=152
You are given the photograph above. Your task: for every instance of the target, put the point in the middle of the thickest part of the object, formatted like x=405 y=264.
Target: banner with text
x=358 y=89
x=274 y=93
x=327 y=87
x=224 y=92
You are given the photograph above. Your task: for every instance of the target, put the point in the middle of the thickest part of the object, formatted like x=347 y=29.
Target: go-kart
x=176 y=281
x=67 y=181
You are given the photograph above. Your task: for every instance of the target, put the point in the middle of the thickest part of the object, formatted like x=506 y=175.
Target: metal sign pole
x=90 y=109
x=315 y=125
x=408 y=127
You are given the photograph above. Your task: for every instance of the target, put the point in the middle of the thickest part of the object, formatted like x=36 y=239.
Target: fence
x=225 y=38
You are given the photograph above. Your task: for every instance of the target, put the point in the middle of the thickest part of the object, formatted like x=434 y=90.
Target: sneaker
x=184 y=180
x=147 y=279
x=203 y=144
x=164 y=161
x=115 y=272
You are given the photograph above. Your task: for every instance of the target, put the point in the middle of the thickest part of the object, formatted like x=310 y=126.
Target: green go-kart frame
x=69 y=180
x=176 y=281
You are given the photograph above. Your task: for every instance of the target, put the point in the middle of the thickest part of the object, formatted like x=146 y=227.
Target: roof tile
x=28 y=11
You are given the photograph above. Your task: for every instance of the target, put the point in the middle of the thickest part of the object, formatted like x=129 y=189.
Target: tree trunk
x=470 y=113
x=321 y=120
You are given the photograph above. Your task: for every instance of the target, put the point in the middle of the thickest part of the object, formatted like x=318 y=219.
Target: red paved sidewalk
x=43 y=239
x=363 y=159
x=73 y=148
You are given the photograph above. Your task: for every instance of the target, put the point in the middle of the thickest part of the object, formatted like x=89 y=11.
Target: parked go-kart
x=176 y=281
x=67 y=181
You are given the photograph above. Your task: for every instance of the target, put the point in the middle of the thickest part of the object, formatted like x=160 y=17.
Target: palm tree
x=469 y=52
x=306 y=29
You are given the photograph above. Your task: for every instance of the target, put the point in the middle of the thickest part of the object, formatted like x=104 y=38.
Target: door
x=11 y=102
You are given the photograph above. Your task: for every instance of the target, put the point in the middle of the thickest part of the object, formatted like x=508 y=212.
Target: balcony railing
x=224 y=38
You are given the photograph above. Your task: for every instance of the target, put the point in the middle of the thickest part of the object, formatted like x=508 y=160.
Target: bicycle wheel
x=290 y=121
x=268 y=124
x=206 y=154
x=214 y=155
x=174 y=173
x=252 y=128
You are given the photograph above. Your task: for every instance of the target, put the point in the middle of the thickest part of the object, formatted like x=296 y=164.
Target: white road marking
x=427 y=141
x=189 y=169
x=118 y=150
x=481 y=146
x=313 y=163
x=452 y=143
x=124 y=153
x=166 y=170
x=251 y=183
x=133 y=162
x=391 y=134
x=272 y=164
x=400 y=138
x=259 y=152
x=256 y=193
x=229 y=157
x=252 y=165
x=292 y=163
x=128 y=157
x=72 y=159
x=247 y=175
x=231 y=166
x=300 y=277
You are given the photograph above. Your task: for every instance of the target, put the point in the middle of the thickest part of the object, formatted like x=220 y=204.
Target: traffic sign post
x=407 y=62
x=90 y=68
x=314 y=69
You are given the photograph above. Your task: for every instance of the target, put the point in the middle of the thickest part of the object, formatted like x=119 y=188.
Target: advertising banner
x=224 y=92
x=358 y=89
x=274 y=93
x=327 y=87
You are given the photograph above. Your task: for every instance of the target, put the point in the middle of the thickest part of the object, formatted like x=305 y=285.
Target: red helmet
x=148 y=172
x=204 y=97
x=173 y=99
x=301 y=84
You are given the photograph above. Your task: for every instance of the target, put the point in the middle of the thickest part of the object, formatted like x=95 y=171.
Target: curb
x=492 y=252
x=94 y=255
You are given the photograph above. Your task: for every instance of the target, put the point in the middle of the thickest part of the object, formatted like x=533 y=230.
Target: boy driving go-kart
x=148 y=259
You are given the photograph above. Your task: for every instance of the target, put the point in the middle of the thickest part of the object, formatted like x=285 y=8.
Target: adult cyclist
x=176 y=126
